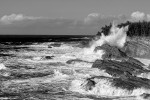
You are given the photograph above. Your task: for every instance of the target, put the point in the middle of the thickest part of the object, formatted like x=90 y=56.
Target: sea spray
x=104 y=87
x=117 y=37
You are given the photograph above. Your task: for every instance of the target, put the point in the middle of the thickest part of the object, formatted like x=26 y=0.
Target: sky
x=67 y=17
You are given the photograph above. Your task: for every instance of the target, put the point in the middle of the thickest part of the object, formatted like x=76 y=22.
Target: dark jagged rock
x=111 y=51
x=124 y=83
x=137 y=49
x=117 y=68
x=48 y=57
x=89 y=85
x=131 y=49
x=124 y=72
x=76 y=60
x=131 y=83
x=146 y=96
x=54 y=45
x=134 y=61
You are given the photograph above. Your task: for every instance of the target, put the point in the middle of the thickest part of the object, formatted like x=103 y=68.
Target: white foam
x=117 y=37
x=144 y=75
x=81 y=64
x=104 y=87
x=2 y=66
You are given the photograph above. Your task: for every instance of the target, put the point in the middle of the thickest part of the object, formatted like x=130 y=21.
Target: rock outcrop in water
x=137 y=49
x=117 y=69
x=124 y=69
x=54 y=45
x=111 y=52
x=131 y=49
x=124 y=74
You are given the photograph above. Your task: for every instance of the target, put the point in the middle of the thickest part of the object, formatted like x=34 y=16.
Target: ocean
x=58 y=67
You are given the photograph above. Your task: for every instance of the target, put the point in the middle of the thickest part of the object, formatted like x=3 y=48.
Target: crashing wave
x=104 y=87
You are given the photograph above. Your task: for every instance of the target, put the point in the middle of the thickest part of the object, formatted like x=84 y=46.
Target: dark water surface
x=52 y=67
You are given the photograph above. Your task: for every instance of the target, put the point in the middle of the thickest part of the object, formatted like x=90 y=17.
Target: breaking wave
x=69 y=66
x=117 y=37
x=104 y=88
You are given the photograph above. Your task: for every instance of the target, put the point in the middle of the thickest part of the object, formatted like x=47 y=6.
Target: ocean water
x=40 y=68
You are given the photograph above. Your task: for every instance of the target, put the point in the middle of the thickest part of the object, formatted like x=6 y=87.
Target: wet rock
x=49 y=46
x=116 y=68
x=89 y=84
x=146 y=96
x=54 y=45
x=75 y=60
x=131 y=83
x=123 y=83
x=137 y=49
x=135 y=61
x=111 y=52
x=48 y=57
x=131 y=49
x=79 y=63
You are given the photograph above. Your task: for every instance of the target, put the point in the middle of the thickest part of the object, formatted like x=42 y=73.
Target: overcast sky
x=70 y=17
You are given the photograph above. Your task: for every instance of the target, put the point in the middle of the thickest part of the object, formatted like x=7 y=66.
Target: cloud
x=90 y=25
x=8 y=19
x=92 y=17
x=21 y=24
x=99 y=19
x=138 y=16
x=148 y=17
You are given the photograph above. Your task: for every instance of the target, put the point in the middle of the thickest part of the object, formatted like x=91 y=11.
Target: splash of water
x=117 y=37
x=105 y=88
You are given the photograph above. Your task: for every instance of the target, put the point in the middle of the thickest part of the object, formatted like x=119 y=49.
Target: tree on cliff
x=135 y=28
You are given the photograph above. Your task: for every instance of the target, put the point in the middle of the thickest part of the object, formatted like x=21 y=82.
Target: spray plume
x=117 y=37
